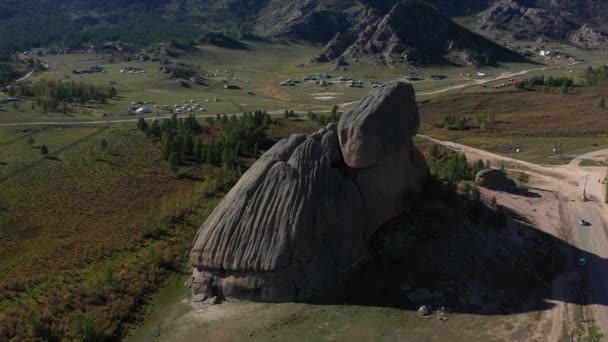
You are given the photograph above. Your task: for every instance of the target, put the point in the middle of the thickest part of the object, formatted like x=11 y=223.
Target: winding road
x=570 y=181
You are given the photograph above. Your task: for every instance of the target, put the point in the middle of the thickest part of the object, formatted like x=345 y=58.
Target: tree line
x=548 y=82
x=461 y=123
x=449 y=166
x=324 y=118
x=181 y=140
x=594 y=76
x=8 y=72
x=64 y=92
x=32 y=23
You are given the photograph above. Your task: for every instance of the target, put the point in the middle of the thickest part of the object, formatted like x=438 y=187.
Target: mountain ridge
x=30 y=23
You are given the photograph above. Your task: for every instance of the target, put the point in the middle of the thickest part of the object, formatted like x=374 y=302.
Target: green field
x=257 y=71
x=69 y=217
x=249 y=321
x=76 y=217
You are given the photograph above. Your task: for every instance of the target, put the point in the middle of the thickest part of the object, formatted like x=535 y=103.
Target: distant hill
x=579 y=22
x=415 y=33
x=26 y=23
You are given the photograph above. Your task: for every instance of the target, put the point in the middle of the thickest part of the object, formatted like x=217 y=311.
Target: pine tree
x=208 y=155
x=103 y=144
x=602 y=103
x=334 y=114
x=197 y=150
x=155 y=130
x=168 y=147
x=286 y=114
x=30 y=140
x=44 y=150
x=142 y=125
x=173 y=162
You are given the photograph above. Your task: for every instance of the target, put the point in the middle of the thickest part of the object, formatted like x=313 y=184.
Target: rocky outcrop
x=581 y=23
x=494 y=179
x=221 y=40
x=588 y=37
x=305 y=211
x=395 y=37
x=336 y=47
x=524 y=20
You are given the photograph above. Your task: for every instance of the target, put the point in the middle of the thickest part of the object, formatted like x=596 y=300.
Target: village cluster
x=322 y=80
x=190 y=106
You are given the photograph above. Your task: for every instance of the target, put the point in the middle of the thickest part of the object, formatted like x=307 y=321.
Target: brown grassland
x=535 y=121
x=87 y=234
x=74 y=251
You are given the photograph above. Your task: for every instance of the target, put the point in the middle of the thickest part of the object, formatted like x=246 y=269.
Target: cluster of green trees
x=179 y=136
x=63 y=92
x=483 y=121
x=182 y=143
x=548 y=82
x=460 y=123
x=594 y=76
x=453 y=180
x=8 y=72
x=455 y=122
x=449 y=166
x=323 y=118
x=35 y=23
x=289 y=114
x=185 y=71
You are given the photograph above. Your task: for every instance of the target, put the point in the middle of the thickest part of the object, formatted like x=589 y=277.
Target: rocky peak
x=303 y=213
x=414 y=32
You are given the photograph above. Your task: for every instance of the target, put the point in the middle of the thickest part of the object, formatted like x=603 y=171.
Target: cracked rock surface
x=304 y=212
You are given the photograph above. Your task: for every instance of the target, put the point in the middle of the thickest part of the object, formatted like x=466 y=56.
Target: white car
x=583 y=223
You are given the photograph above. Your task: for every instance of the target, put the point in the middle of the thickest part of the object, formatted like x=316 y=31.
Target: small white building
x=547 y=53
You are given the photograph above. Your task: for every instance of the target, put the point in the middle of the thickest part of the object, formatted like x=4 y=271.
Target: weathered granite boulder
x=377 y=127
x=494 y=179
x=303 y=214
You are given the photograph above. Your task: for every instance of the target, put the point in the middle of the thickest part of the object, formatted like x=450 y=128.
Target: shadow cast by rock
x=524 y=192
x=435 y=254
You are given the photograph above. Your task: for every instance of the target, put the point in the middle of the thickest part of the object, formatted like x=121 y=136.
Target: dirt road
x=503 y=76
x=570 y=182
x=25 y=77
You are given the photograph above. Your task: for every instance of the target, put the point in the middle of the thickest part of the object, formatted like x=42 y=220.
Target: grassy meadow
x=73 y=227
x=257 y=71
x=74 y=223
x=90 y=231
x=534 y=121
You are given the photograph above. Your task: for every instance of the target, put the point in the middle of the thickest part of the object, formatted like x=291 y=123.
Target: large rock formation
x=396 y=37
x=304 y=213
x=581 y=23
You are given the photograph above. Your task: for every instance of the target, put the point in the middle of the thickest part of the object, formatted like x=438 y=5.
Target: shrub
x=152 y=228
x=44 y=150
x=84 y=328
x=523 y=178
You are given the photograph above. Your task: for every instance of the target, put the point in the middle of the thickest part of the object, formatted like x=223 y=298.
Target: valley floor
x=552 y=206
x=74 y=222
